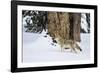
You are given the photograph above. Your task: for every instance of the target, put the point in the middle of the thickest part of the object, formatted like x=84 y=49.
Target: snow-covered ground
x=37 y=48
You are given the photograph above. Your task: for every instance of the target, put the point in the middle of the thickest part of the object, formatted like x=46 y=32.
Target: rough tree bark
x=63 y=25
x=75 y=22
x=58 y=24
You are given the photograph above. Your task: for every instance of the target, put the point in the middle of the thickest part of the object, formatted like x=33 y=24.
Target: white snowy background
x=37 y=48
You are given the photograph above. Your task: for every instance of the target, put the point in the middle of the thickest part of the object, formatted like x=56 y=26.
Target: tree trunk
x=75 y=22
x=64 y=26
x=58 y=25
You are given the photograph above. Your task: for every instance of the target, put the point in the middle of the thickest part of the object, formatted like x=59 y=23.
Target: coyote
x=69 y=44
x=64 y=28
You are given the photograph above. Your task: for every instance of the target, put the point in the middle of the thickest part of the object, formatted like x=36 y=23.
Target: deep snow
x=37 y=48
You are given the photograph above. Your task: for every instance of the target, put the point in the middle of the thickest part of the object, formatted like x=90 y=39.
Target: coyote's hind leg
x=78 y=47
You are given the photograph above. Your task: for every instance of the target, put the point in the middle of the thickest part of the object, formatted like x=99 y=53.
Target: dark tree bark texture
x=64 y=25
x=75 y=22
